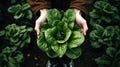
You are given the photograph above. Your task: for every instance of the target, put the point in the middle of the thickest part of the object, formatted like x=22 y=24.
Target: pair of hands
x=79 y=20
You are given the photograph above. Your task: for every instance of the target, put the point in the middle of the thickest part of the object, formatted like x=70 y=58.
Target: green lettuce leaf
x=59 y=49
x=73 y=53
x=76 y=39
x=64 y=31
x=42 y=43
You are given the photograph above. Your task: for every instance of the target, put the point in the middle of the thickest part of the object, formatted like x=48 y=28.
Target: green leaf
x=8 y=50
x=12 y=62
x=95 y=44
x=94 y=14
x=69 y=15
x=28 y=39
x=59 y=49
x=111 y=51
x=51 y=54
x=106 y=19
x=25 y=6
x=42 y=43
x=65 y=31
x=102 y=60
x=30 y=29
x=110 y=9
x=49 y=35
x=14 y=8
x=53 y=14
x=73 y=53
x=19 y=57
x=44 y=27
x=18 y=15
x=100 y=4
x=28 y=14
x=76 y=39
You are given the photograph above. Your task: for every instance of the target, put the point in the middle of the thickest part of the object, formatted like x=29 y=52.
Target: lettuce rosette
x=60 y=35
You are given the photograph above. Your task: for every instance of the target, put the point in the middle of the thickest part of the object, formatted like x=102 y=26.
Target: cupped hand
x=41 y=19
x=81 y=22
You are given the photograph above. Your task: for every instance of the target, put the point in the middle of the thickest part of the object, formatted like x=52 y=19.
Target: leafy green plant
x=60 y=35
x=104 y=12
x=108 y=36
x=21 y=11
x=18 y=36
x=115 y=2
x=110 y=59
x=10 y=57
x=105 y=21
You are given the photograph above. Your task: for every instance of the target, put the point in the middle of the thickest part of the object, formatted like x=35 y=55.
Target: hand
x=81 y=22
x=41 y=19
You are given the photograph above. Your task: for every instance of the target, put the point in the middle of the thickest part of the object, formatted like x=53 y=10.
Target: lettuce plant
x=59 y=35
x=110 y=59
x=115 y=2
x=108 y=36
x=104 y=12
x=10 y=57
x=18 y=35
x=20 y=11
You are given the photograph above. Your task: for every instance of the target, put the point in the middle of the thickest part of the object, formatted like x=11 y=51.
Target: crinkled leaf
x=30 y=29
x=59 y=49
x=13 y=40
x=100 y=4
x=106 y=19
x=28 y=39
x=42 y=43
x=95 y=44
x=73 y=53
x=53 y=14
x=76 y=39
x=25 y=6
x=12 y=62
x=109 y=31
x=102 y=60
x=8 y=50
x=44 y=27
x=94 y=14
x=65 y=31
x=51 y=54
x=28 y=14
x=110 y=9
x=14 y=8
x=18 y=15
x=49 y=35
x=111 y=51
x=69 y=15
x=19 y=57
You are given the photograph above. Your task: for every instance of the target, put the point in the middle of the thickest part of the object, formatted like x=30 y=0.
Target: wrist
x=77 y=11
x=43 y=11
